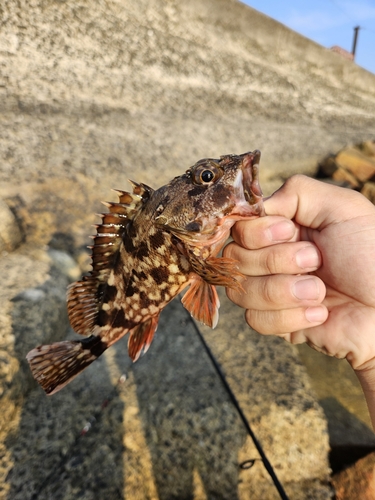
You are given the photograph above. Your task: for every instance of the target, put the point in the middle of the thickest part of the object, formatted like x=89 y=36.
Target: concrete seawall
x=91 y=94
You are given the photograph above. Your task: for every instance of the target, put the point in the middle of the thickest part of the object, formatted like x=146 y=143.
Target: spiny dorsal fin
x=110 y=232
x=84 y=296
x=129 y=203
x=141 y=190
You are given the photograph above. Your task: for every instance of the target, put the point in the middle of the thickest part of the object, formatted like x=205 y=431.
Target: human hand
x=310 y=270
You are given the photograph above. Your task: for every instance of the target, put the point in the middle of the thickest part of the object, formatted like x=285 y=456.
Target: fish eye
x=206 y=173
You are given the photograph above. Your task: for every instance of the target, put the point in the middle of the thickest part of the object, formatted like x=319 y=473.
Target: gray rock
x=65 y=264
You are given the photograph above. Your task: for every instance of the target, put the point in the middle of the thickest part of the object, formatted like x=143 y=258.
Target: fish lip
x=250 y=180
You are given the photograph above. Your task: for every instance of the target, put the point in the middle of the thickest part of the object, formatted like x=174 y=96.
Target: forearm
x=366 y=378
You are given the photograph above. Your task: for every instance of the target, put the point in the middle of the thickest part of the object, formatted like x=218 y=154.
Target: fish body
x=149 y=247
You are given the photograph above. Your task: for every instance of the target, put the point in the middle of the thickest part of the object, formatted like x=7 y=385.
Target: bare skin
x=310 y=272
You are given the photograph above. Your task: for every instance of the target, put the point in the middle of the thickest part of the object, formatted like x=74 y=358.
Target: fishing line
x=236 y=404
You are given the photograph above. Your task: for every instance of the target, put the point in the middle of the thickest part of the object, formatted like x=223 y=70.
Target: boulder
x=368 y=190
x=361 y=166
x=352 y=167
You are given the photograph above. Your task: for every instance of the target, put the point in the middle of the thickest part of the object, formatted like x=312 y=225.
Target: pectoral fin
x=202 y=302
x=219 y=271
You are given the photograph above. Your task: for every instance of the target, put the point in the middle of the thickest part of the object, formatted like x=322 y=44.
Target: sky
x=328 y=22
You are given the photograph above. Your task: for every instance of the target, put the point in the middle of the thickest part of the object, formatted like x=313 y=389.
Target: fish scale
x=150 y=245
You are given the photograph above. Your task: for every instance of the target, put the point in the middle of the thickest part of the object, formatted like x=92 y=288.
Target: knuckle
x=296 y=180
x=250 y=317
x=297 y=183
x=244 y=233
x=270 y=262
x=261 y=321
x=230 y=293
x=234 y=296
x=267 y=291
x=273 y=322
x=228 y=250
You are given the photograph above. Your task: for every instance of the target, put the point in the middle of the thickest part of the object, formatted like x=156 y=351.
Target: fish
x=148 y=248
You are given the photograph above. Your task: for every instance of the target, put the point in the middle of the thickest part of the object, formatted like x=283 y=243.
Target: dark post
x=356 y=29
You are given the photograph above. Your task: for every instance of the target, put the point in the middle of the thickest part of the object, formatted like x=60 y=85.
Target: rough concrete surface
x=170 y=430
x=11 y=235
x=93 y=93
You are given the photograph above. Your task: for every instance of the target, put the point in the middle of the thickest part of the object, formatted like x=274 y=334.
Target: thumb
x=316 y=204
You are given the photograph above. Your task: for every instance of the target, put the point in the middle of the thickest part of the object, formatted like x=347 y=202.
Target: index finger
x=315 y=204
x=264 y=231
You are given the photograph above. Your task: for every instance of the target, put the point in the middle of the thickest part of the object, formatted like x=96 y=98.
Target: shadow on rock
x=192 y=429
x=350 y=439
x=188 y=427
x=53 y=457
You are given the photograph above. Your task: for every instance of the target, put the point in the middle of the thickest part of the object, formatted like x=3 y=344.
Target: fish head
x=211 y=196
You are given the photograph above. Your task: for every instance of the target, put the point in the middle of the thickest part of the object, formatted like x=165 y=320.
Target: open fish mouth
x=250 y=181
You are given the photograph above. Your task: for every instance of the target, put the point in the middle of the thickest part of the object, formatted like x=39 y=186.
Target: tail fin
x=54 y=366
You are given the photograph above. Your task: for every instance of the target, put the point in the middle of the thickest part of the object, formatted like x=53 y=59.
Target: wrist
x=366 y=377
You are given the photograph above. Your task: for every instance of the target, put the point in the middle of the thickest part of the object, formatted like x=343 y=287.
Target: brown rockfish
x=148 y=248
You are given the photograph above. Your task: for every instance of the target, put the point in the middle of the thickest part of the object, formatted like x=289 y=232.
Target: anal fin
x=202 y=302
x=141 y=336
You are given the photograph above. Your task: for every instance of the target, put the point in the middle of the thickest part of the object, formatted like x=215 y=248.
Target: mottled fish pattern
x=148 y=248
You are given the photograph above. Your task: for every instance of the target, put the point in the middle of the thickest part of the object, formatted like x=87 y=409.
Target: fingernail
x=315 y=314
x=305 y=289
x=307 y=257
x=282 y=231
